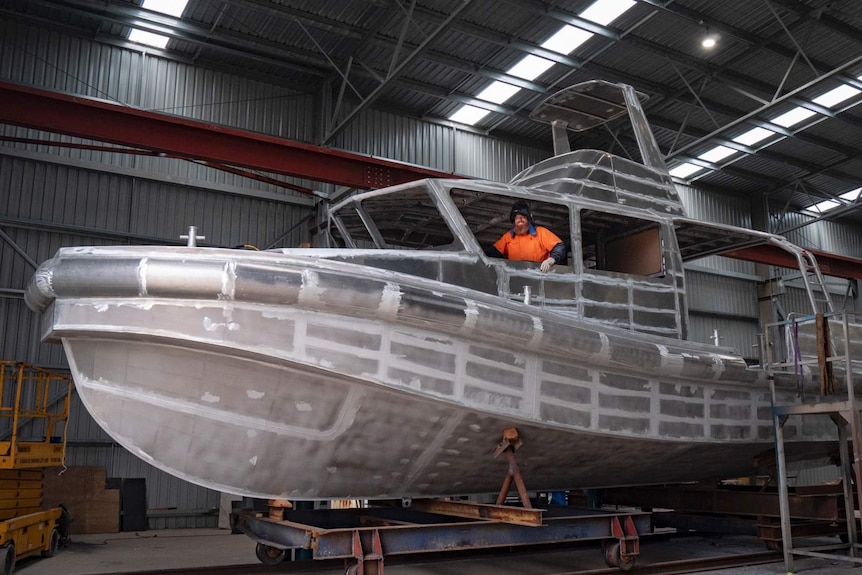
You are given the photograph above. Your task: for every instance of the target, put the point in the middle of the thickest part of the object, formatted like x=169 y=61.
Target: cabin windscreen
x=405 y=219
x=487 y=216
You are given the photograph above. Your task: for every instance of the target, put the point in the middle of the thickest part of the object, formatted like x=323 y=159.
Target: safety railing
x=826 y=349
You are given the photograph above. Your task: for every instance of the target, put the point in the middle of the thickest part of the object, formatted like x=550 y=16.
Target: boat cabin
x=622 y=221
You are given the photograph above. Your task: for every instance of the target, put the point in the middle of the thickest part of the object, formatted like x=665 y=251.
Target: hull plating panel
x=323 y=407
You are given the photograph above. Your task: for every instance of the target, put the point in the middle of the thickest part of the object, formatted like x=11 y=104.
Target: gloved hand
x=547 y=265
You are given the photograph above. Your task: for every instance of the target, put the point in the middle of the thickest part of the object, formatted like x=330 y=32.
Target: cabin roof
x=410 y=218
x=698 y=239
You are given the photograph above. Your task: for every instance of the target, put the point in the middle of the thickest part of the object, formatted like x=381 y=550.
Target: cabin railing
x=828 y=346
x=812 y=278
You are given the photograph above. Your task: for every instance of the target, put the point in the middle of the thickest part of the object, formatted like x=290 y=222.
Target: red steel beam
x=192 y=139
x=830 y=264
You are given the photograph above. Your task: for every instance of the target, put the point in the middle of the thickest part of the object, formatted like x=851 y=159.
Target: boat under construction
x=388 y=366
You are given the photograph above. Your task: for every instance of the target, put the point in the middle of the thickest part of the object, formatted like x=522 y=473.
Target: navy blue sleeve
x=558 y=252
x=493 y=252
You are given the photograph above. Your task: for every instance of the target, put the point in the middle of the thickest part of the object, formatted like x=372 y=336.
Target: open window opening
x=487 y=216
x=407 y=219
x=617 y=243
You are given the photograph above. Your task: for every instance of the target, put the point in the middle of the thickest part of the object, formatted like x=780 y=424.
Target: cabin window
x=616 y=243
x=338 y=240
x=406 y=219
x=487 y=216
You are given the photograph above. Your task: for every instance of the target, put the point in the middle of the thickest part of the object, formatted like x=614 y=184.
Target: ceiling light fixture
x=709 y=42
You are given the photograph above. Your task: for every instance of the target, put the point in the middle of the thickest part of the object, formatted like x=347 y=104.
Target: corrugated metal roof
x=298 y=43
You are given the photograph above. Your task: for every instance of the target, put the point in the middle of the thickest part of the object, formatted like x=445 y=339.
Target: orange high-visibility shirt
x=534 y=246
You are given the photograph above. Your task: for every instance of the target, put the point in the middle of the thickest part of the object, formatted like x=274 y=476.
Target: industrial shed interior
x=127 y=122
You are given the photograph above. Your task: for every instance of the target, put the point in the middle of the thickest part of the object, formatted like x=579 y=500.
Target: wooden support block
x=277 y=507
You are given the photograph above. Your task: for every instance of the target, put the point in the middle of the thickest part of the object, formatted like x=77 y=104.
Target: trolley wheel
x=613 y=557
x=269 y=555
x=53 y=544
x=7 y=559
x=611 y=552
x=352 y=568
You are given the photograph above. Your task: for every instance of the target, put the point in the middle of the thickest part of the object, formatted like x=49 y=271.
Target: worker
x=528 y=242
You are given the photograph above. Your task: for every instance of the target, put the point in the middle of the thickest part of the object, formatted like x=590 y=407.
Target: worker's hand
x=547 y=265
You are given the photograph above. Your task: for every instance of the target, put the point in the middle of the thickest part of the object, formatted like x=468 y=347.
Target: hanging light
x=709 y=40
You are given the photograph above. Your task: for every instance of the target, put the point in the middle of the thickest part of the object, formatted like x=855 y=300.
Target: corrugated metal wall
x=437 y=146
x=722 y=291
x=409 y=140
x=493 y=159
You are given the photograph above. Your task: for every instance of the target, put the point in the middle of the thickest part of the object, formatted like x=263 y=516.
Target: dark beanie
x=520 y=207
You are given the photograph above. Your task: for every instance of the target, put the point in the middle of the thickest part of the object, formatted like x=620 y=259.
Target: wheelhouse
x=622 y=221
x=622 y=269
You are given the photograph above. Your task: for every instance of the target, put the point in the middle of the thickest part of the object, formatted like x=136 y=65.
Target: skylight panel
x=685 y=170
x=606 y=11
x=753 y=136
x=852 y=195
x=171 y=8
x=148 y=38
x=717 y=154
x=498 y=92
x=823 y=206
x=564 y=41
x=469 y=115
x=793 y=117
x=826 y=205
x=530 y=67
x=567 y=39
x=836 y=96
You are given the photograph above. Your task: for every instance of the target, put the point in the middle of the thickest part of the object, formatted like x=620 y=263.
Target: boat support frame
x=364 y=537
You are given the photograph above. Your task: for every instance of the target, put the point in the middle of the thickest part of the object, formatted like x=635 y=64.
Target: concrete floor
x=123 y=552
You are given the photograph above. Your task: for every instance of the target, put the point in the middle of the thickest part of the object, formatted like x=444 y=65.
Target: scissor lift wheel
x=53 y=544
x=7 y=559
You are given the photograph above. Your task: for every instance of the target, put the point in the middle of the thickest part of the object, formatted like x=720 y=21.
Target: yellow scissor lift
x=34 y=411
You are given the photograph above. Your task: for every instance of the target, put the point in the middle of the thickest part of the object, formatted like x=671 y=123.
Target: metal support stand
x=511 y=441
x=845 y=415
x=624 y=551
x=365 y=562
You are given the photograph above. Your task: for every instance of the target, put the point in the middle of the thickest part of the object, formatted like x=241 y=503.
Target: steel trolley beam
x=363 y=537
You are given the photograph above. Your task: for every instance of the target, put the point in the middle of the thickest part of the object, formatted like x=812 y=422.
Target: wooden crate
x=82 y=490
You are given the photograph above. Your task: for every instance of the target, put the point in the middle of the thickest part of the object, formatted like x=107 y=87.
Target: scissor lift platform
x=363 y=537
x=35 y=397
x=34 y=409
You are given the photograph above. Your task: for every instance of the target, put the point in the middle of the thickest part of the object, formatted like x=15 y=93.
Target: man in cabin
x=528 y=242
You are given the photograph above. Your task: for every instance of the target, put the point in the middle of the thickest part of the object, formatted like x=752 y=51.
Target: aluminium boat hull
x=279 y=375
